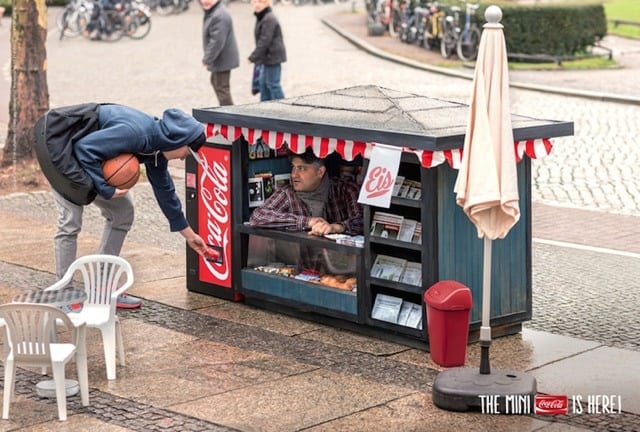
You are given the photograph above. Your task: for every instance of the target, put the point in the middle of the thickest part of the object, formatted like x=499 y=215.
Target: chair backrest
x=102 y=277
x=31 y=328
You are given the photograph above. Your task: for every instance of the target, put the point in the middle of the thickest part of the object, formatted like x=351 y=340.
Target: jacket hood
x=177 y=129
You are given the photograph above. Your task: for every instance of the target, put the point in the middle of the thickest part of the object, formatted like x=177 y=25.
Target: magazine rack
x=446 y=246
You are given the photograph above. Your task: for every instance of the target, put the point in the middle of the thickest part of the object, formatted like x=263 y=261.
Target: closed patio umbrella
x=487 y=190
x=487 y=183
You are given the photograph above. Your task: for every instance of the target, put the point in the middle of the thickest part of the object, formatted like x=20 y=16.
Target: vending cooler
x=210 y=212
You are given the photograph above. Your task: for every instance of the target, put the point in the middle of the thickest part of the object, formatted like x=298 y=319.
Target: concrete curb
x=600 y=96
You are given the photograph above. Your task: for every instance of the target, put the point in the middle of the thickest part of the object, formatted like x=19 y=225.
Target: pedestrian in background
x=269 y=51
x=220 y=48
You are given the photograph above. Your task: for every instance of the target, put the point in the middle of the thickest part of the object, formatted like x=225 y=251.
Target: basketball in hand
x=122 y=172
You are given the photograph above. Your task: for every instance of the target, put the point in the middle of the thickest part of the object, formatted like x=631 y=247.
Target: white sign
x=377 y=186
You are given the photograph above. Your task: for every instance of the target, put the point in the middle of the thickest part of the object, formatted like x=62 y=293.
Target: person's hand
x=322 y=227
x=196 y=243
x=120 y=193
x=314 y=220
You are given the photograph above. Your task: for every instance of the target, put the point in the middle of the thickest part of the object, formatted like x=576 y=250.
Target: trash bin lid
x=448 y=295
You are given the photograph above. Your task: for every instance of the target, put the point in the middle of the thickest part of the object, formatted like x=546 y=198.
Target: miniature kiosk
x=245 y=158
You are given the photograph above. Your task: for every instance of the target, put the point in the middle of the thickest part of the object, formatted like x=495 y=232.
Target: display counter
x=376 y=284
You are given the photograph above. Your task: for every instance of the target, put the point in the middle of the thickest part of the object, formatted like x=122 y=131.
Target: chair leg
x=61 y=389
x=120 y=343
x=109 y=346
x=9 y=377
x=83 y=377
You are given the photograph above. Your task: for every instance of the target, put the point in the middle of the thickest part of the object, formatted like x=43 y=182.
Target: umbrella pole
x=485 y=329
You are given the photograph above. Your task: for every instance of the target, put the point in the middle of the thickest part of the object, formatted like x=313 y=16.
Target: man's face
x=305 y=177
x=259 y=5
x=208 y=4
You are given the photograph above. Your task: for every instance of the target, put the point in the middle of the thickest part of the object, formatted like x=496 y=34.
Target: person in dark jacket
x=220 y=48
x=154 y=142
x=269 y=51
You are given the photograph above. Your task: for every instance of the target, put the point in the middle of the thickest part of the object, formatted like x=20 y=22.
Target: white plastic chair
x=31 y=340
x=104 y=277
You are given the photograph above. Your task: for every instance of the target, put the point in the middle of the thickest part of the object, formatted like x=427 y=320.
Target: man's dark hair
x=307 y=157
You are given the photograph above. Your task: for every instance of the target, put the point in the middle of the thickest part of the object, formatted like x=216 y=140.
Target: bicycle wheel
x=68 y=23
x=448 y=40
x=166 y=7
x=138 y=24
x=468 y=43
x=114 y=26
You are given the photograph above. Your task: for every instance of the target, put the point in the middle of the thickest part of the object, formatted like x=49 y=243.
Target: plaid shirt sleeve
x=282 y=210
x=343 y=207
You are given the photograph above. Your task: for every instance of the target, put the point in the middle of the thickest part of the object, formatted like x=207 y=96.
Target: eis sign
x=214 y=214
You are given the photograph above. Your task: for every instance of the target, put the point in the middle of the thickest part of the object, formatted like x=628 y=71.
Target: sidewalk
x=198 y=363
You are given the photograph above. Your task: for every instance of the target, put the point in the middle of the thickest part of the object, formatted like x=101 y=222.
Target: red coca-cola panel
x=214 y=214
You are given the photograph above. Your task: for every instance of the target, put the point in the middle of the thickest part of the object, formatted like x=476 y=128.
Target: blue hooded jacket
x=127 y=130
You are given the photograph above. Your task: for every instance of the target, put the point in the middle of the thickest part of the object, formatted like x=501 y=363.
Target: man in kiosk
x=313 y=201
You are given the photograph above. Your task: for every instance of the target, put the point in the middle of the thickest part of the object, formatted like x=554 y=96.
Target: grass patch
x=581 y=64
x=627 y=10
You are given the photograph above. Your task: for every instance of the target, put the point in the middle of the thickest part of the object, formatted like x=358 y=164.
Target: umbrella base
x=500 y=392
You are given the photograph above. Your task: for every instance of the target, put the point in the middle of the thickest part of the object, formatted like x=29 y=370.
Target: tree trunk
x=29 y=97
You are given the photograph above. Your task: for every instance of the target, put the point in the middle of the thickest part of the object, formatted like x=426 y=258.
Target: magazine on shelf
x=386 y=225
x=405 y=311
x=412 y=273
x=397 y=185
x=414 y=319
x=417 y=234
x=256 y=194
x=281 y=180
x=407 y=229
x=388 y=267
x=386 y=308
x=405 y=187
x=267 y=183
x=415 y=190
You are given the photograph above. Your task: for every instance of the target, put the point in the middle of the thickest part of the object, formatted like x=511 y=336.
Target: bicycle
x=72 y=20
x=464 y=41
x=137 y=19
x=469 y=40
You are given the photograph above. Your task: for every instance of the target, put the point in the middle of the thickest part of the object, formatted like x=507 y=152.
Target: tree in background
x=29 y=97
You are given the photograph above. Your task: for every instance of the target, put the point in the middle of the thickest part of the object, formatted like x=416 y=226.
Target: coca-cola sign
x=551 y=404
x=214 y=214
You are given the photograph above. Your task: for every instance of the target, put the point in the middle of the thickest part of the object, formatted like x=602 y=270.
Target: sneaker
x=128 y=302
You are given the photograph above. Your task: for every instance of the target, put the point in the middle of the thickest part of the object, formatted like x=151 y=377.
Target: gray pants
x=221 y=86
x=118 y=215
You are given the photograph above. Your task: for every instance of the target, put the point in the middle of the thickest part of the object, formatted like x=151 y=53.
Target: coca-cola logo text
x=551 y=404
x=216 y=226
x=378 y=182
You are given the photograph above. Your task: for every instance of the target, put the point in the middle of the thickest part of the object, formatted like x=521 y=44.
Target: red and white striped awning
x=348 y=149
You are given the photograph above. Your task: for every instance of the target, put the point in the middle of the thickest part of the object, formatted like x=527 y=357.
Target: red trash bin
x=448 y=310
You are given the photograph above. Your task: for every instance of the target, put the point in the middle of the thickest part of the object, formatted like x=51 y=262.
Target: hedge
x=554 y=30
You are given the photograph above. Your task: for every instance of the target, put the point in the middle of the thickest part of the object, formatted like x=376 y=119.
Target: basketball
x=122 y=171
